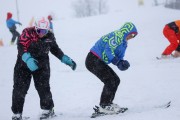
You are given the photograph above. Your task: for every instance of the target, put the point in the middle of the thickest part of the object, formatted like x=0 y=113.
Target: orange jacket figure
x=172 y=32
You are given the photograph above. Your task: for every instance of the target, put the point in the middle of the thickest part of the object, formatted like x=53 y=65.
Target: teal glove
x=31 y=62
x=68 y=61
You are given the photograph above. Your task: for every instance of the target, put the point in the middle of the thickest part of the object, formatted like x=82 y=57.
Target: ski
x=51 y=117
x=25 y=118
x=165 y=57
x=48 y=118
x=158 y=58
x=166 y=105
x=126 y=110
x=149 y=108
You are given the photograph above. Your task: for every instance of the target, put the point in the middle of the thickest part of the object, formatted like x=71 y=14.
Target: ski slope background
x=147 y=83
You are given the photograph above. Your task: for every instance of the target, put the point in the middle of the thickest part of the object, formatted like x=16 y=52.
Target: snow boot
x=47 y=114
x=111 y=109
x=17 y=117
x=167 y=56
x=108 y=110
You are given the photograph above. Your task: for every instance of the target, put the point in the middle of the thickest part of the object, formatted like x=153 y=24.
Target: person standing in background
x=11 y=24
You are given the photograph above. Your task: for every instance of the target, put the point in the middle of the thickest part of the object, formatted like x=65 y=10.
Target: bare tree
x=102 y=6
x=90 y=5
x=156 y=2
x=84 y=8
x=174 y=4
x=78 y=8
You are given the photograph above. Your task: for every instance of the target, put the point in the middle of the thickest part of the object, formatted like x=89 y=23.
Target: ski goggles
x=41 y=31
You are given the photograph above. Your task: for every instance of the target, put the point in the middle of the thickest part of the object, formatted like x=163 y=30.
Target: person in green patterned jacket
x=110 y=48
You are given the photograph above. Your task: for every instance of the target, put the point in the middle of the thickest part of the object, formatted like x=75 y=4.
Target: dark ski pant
x=106 y=75
x=22 y=79
x=15 y=35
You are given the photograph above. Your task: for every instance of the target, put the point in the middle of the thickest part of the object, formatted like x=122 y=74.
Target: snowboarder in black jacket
x=33 y=60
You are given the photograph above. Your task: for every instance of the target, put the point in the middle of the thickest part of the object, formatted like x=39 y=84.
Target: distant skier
x=172 y=32
x=50 y=21
x=34 y=46
x=11 y=24
x=110 y=48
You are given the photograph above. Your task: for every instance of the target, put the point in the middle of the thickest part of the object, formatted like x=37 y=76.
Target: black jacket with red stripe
x=38 y=47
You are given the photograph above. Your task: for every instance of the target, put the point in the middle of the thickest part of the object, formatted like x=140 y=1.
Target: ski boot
x=171 y=56
x=47 y=114
x=107 y=110
x=118 y=108
x=17 y=117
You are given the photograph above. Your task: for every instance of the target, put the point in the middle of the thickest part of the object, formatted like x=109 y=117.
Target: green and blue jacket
x=113 y=44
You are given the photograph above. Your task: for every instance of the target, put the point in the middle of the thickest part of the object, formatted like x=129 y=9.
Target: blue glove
x=123 y=65
x=68 y=61
x=31 y=62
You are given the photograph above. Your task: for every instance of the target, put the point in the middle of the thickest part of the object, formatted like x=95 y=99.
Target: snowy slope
x=147 y=83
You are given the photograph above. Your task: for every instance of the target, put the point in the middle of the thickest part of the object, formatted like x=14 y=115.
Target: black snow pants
x=15 y=34
x=22 y=79
x=106 y=75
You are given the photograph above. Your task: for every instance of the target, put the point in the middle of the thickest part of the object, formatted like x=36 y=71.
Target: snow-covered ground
x=147 y=83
